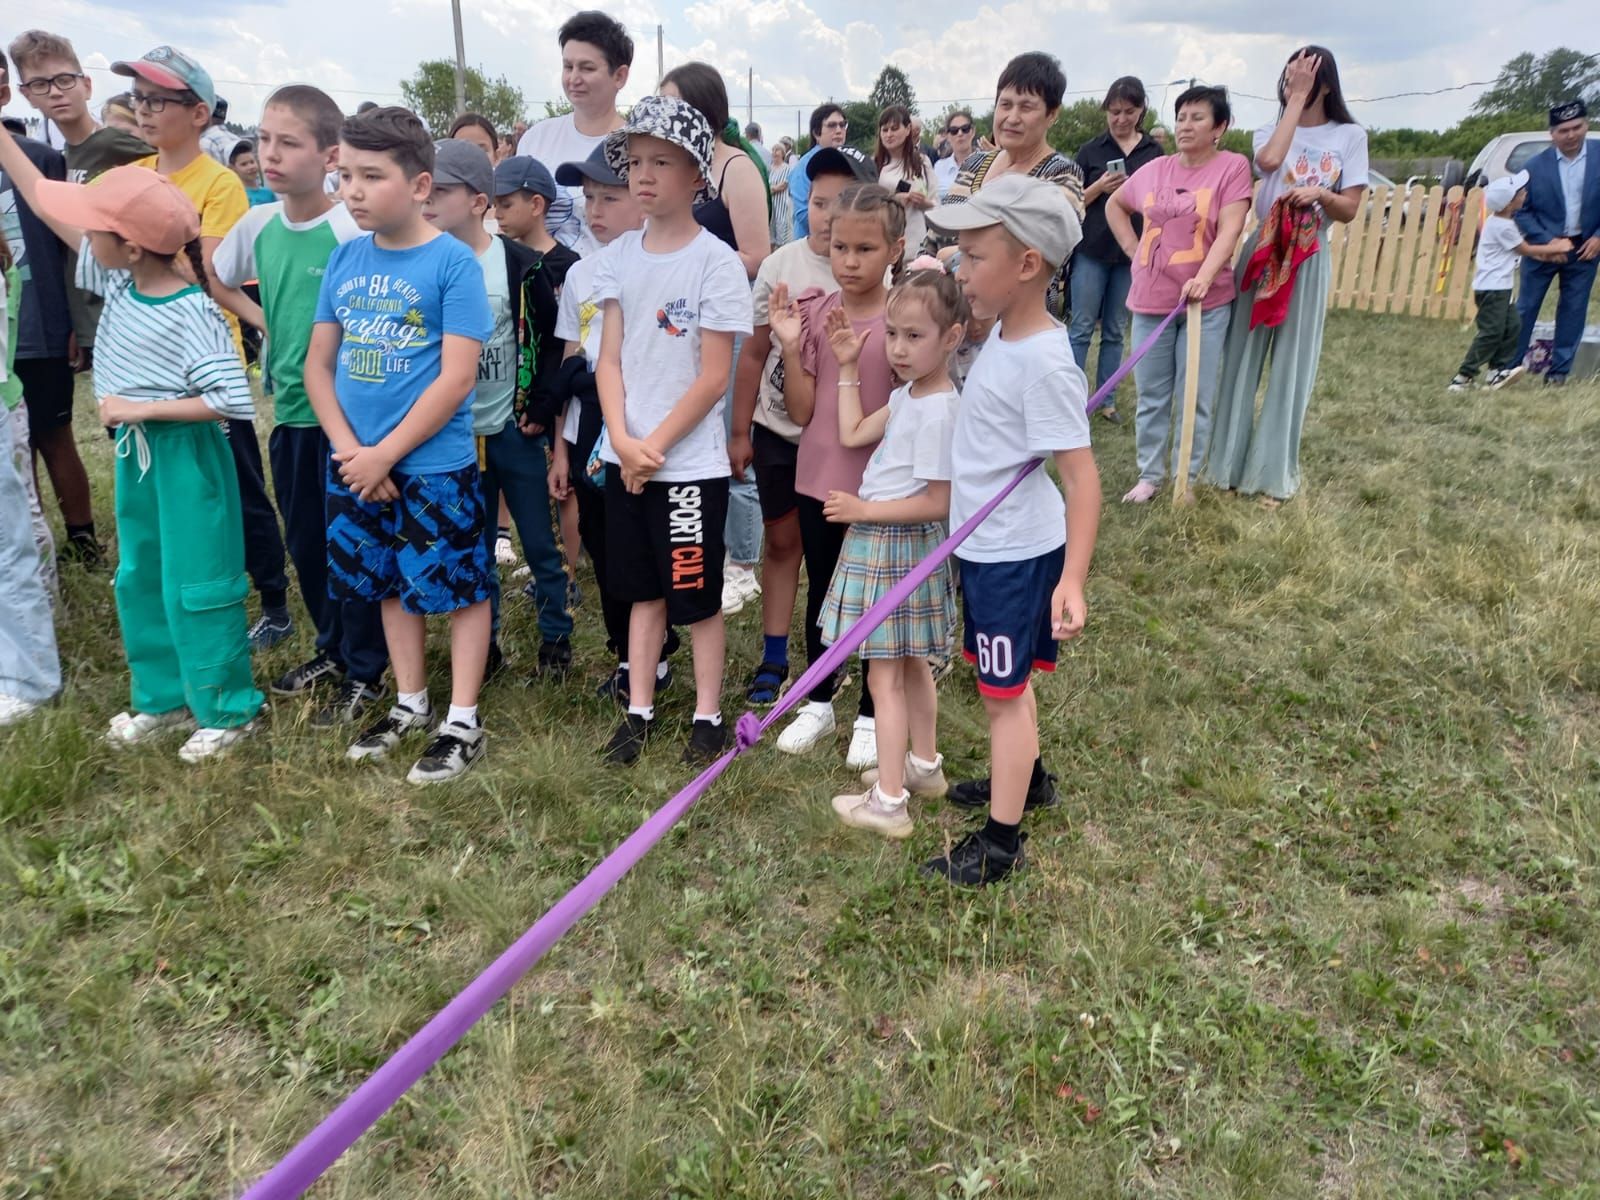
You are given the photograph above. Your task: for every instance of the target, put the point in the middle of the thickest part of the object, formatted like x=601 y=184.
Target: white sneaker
x=13 y=709
x=870 y=811
x=208 y=743
x=918 y=782
x=505 y=554
x=813 y=725
x=455 y=747
x=130 y=729
x=863 y=752
x=739 y=586
x=383 y=738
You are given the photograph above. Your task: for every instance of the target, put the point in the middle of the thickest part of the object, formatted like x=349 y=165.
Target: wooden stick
x=1191 y=399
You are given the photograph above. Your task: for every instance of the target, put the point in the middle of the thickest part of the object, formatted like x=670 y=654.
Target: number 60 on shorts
x=1007 y=632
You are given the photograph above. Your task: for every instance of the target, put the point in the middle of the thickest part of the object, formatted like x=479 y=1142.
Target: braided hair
x=197 y=263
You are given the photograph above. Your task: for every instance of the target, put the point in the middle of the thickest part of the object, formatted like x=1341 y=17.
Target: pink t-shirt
x=1181 y=207
x=824 y=465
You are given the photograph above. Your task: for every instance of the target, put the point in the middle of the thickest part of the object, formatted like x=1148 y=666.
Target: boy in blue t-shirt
x=390 y=372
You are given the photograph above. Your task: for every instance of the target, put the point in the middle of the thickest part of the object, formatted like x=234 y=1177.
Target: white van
x=1509 y=153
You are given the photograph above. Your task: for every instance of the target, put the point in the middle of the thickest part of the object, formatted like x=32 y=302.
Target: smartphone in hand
x=1117 y=166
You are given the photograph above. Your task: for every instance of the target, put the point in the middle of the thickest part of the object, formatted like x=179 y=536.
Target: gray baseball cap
x=458 y=161
x=1031 y=210
x=520 y=173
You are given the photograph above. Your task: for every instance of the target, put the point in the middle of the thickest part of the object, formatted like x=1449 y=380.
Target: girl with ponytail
x=166 y=374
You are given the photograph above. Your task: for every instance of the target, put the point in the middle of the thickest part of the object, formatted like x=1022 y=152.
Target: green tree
x=863 y=118
x=431 y=94
x=1074 y=125
x=892 y=87
x=1530 y=83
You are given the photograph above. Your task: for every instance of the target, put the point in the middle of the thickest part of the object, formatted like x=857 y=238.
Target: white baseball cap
x=1503 y=191
x=1034 y=212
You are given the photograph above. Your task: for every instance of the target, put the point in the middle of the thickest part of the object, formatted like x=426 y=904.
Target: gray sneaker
x=382 y=739
x=453 y=750
x=348 y=706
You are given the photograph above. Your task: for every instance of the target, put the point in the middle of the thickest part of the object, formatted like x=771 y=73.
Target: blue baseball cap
x=522 y=173
x=595 y=169
x=171 y=69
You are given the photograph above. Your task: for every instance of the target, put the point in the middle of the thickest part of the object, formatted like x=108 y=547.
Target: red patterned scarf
x=1288 y=238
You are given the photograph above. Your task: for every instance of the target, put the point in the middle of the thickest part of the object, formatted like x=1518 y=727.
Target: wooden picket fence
x=1408 y=253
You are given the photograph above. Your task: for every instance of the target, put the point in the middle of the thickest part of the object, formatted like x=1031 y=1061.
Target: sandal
x=767 y=684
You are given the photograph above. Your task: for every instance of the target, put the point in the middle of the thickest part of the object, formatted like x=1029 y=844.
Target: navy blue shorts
x=1007 y=632
x=427 y=548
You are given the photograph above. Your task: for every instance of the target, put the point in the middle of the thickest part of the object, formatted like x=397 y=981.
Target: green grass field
x=1315 y=919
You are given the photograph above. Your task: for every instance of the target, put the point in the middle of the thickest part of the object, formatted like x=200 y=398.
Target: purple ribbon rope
x=321 y=1148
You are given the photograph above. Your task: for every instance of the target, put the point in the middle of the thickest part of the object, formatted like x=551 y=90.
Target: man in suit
x=1563 y=204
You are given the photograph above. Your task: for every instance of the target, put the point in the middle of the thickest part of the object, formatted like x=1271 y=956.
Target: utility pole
x=461 y=59
x=661 y=56
x=750 y=98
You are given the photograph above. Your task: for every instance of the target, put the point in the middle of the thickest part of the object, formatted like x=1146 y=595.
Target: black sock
x=998 y=833
x=1038 y=778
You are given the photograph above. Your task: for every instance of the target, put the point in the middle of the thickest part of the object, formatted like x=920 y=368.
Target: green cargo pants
x=180 y=577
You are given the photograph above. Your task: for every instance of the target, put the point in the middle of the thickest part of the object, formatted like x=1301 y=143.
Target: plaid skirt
x=875 y=558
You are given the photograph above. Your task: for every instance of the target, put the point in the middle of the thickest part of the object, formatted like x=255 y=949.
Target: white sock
x=463 y=715
x=923 y=765
x=820 y=707
x=647 y=711
x=888 y=801
x=622 y=666
x=870 y=724
x=662 y=669
x=416 y=702
x=715 y=718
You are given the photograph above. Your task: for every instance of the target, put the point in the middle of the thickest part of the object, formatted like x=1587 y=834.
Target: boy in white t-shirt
x=673 y=296
x=1022 y=571
x=596 y=55
x=1499 y=323
x=611 y=212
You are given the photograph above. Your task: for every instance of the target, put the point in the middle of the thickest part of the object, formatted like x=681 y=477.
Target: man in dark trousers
x=1563 y=203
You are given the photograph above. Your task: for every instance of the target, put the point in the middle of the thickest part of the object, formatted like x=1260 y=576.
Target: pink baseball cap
x=134 y=203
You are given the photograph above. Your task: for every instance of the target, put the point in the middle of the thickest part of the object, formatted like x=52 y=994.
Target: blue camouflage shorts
x=427 y=548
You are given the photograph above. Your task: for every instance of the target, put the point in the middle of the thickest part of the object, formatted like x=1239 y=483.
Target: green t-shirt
x=287 y=260
x=11 y=302
x=103 y=149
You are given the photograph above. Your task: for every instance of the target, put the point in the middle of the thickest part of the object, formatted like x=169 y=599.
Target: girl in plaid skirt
x=895 y=522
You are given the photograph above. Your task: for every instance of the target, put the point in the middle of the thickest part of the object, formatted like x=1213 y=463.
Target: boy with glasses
x=829 y=129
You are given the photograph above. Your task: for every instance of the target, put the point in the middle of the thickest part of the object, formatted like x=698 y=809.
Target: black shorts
x=47 y=391
x=774 y=461
x=667 y=543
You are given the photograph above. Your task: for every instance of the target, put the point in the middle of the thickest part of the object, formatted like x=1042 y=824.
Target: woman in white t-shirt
x=905 y=171
x=1314 y=159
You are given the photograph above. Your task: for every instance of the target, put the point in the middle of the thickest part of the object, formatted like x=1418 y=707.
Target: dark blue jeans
x=519 y=466
x=1577 y=279
x=1099 y=293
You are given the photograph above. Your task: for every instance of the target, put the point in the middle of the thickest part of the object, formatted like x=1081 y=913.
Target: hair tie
x=925 y=262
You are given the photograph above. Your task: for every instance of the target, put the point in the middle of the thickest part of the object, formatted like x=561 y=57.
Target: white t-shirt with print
x=668 y=301
x=555 y=141
x=916 y=446
x=1022 y=400
x=1497 y=255
x=1333 y=156
x=497 y=360
x=579 y=318
x=798 y=266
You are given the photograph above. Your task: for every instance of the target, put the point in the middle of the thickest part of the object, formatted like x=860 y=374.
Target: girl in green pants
x=166 y=373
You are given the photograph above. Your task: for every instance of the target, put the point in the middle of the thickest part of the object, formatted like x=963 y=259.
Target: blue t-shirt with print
x=395 y=308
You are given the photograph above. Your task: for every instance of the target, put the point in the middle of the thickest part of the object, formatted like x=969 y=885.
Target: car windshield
x=1522 y=152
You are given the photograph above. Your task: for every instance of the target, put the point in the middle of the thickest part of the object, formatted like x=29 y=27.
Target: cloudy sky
x=803 y=51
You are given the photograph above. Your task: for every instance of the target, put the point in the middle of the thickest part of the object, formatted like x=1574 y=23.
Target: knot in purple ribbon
x=747 y=732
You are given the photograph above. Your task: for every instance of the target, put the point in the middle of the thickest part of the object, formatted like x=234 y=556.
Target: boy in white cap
x=1023 y=569
x=1499 y=323
x=673 y=297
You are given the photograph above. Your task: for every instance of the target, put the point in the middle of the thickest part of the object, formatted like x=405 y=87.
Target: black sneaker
x=974 y=793
x=614 y=686
x=348 y=706
x=555 y=660
x=382 y=738
x=627 y=743
x=455 y=747
x=307 y=675
x=81 y=547
x=975 y=861
x=706 y=743
x=269 y=630
x=1555 y=381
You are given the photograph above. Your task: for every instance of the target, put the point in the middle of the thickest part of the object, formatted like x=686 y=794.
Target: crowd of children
x=422 y=367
